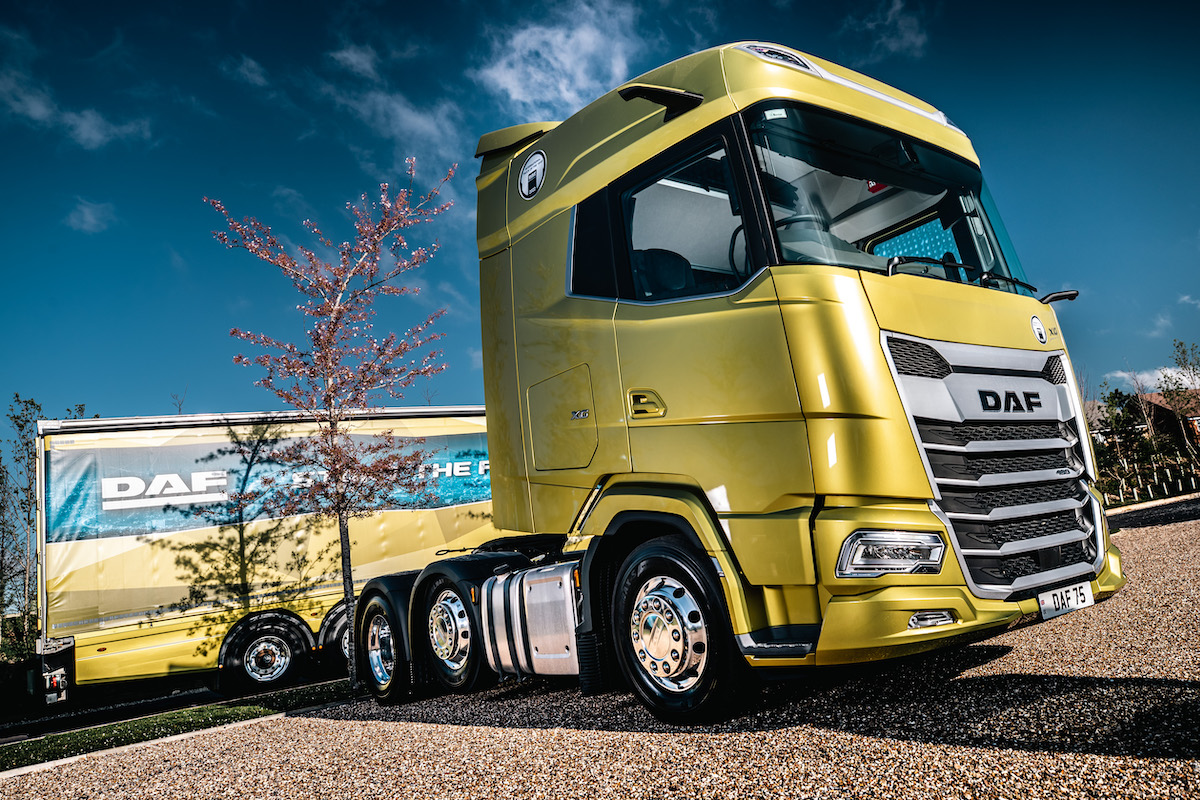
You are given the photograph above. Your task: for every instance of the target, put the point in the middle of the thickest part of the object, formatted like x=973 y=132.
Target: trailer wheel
x=264 y=654
x=335 y=641
x=453 y=647
x=381 y=660
x=672 y=638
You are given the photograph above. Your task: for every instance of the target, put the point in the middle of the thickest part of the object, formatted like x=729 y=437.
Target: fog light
x=870 y=554
x=930 y=619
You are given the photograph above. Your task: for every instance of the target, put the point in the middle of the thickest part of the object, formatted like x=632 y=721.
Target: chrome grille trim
x=1011 y=486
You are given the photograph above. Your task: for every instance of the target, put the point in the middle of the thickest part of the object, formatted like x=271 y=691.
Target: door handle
x=644 y=403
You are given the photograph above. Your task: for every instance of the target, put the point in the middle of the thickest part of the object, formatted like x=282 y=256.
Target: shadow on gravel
x=1158 y=515
x=922 y=699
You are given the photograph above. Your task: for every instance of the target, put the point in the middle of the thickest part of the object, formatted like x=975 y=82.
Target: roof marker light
x=778 y=54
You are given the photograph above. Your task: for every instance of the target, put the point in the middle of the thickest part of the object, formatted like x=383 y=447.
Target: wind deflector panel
x=676 y=101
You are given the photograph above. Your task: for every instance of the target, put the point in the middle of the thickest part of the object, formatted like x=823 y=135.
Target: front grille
x=914 y=358
x=967 y=467
x=1010 y=569
x=985 y=501
x=1011 y=485
x=1053 y=372
x=964 y=433
x=996 y=535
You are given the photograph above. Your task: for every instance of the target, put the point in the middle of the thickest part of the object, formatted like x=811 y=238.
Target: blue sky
x=116 y=121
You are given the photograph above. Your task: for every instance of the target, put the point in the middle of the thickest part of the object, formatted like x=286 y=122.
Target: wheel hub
x=267 y=659
x=668 y=634
x=380 y=656
x=450 y=630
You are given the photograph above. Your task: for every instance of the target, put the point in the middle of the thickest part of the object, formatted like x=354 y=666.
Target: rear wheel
x=382 y=663
x=453 y=648
x=264 y=654
x=671 y=633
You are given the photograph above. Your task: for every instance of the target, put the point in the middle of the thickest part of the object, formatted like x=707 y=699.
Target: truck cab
x=766 y=388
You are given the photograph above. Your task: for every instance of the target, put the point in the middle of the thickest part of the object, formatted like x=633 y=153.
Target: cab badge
x=1039 y=330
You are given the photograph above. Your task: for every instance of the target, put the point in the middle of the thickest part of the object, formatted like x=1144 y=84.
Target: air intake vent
x=1053 y=371
x=987 y=500
x=915 y=358
x=995 y=535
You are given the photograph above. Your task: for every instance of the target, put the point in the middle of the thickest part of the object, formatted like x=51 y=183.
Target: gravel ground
x=1101 y=703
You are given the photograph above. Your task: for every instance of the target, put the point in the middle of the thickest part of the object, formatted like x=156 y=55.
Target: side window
x=684 y=230
x=593 y=273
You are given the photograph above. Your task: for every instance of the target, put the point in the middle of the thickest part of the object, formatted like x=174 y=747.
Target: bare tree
x=1179 y=392
x=177 y=400
x=1140 y=390
x=18 y=539
x=343 y=366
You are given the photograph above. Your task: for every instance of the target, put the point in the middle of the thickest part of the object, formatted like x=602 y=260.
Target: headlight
x=870 y=554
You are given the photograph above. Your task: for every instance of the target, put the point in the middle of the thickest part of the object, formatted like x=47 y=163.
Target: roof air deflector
x=676 y=101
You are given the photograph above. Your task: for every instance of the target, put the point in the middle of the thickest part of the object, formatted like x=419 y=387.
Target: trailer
x=157 y=554
x=767 y=389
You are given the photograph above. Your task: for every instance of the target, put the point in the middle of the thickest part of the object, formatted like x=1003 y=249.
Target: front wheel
x=670 y=632
x=381 y=662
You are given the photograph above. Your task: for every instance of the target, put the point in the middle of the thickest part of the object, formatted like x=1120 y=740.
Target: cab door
x=705 y=368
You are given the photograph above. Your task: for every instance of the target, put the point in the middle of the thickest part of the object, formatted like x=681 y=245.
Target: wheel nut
x=674 y=655
x=675 y=635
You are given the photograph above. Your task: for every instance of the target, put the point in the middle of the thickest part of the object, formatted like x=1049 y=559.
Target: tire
x=449 y=637
x=672 y=635
x=335 y=643
x=264 y=654
x=380 y=653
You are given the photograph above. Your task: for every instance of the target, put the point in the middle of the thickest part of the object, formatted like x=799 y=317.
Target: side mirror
x=1065 y=294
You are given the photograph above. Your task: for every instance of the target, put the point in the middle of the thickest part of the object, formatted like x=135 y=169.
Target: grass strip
x=171 y=723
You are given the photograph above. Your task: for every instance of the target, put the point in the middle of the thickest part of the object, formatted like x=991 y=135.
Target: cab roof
x=647 y=115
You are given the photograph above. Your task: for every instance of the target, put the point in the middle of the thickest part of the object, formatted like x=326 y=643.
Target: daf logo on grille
x=1009 y=401
x=1039 y=330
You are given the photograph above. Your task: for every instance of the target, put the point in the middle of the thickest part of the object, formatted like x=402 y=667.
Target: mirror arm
x=1065 y=294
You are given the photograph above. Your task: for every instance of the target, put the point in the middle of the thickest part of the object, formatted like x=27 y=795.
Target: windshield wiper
x=984 y=279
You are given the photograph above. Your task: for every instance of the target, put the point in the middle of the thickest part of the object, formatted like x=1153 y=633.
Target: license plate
x=1059 y=601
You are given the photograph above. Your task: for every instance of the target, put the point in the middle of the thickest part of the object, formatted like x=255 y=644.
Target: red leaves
x=342 y=365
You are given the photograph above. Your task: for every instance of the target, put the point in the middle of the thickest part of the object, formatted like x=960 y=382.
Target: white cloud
x=88 y=217
x=1162 y=324
x=553 y=68
x=1151 y=380
x=1188 y=299
x=247 y=71
x=291 y=203
x=361 y=60
x=891 y=29
x=25 y=98
x=178 y=263
x=434 y=131
x=92 y=131
x=457 y=300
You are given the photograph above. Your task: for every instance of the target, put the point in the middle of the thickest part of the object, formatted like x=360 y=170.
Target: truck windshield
x=848 y=194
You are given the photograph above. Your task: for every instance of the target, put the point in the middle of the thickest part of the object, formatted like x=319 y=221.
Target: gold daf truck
x=766 y=388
